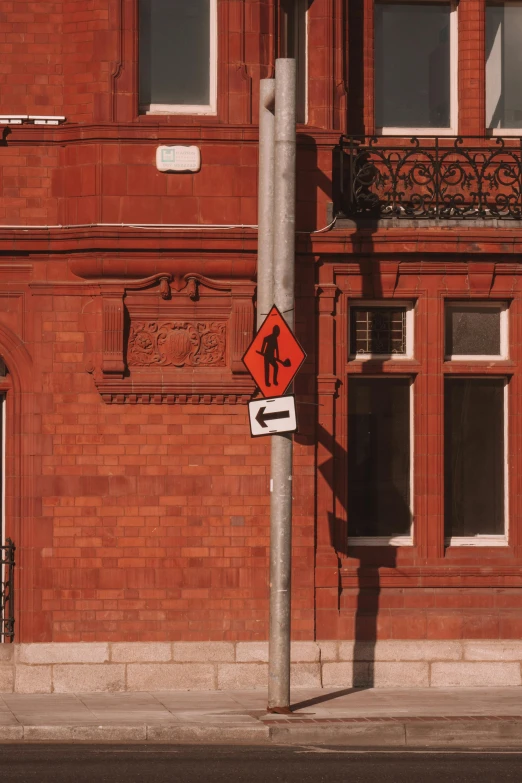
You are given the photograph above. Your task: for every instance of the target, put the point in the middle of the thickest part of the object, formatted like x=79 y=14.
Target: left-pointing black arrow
x=263 y=417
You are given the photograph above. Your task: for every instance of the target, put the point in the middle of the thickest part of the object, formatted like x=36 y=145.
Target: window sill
x=474 y=541
x=380 y=541
x=375 y=357
x=515 y=132
x=474 y=358
x=478 y=366
x=424 y=132
x=166 y=110
x=403 y=366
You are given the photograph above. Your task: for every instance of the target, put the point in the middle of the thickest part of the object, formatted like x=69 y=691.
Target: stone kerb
x=144 y=666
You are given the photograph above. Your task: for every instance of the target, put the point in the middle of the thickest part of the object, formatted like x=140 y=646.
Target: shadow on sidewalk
x=323 y=698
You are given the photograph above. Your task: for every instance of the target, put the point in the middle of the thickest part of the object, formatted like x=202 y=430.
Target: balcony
x=7 y=564
x=438 y=179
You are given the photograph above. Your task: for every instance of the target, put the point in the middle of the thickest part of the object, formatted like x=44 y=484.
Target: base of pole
x=279 y=710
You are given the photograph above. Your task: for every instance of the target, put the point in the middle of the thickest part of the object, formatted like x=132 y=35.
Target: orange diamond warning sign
x=274 y=355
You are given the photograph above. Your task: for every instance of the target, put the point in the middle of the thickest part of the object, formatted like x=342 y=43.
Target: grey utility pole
x=265 y=209
x=276 y=285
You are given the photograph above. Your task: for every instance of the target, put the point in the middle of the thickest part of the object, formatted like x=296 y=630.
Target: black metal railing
x=7 y=564
x=429 y=178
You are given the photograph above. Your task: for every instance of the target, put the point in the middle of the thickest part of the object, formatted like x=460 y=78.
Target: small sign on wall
x=178 y=158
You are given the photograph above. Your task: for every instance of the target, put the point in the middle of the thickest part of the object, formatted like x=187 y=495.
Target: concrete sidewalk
x=478 y=717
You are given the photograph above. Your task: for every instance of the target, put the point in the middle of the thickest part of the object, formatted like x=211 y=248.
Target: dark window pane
x=174 y=52
x=474 y=456
x=378 y=330
x=472 y=331
x=379 y=457
x=412 y=65
x=504 y=65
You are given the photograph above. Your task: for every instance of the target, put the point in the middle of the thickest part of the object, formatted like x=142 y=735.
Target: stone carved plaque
x=177 y=344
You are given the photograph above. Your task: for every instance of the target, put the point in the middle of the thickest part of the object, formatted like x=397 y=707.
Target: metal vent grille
x=380 y=331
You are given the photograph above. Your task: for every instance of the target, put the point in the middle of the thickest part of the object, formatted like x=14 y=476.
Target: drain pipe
x=265 y=218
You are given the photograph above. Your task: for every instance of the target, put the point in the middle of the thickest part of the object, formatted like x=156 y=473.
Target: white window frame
x=502 y=307
x=454 y=87
x=482 y=539
x=393 y=540
x=515 y=132
x=211 y=107
x=410 y=321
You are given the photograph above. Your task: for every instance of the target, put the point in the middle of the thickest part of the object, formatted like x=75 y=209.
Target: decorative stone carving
x=154 y=326
x=177 y=344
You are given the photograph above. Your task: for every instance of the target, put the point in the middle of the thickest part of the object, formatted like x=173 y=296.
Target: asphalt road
x=213 y=764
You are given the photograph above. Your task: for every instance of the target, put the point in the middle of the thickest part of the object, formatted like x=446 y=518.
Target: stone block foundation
x=164 y=666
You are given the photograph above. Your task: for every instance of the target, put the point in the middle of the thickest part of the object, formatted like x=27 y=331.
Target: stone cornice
x=414 y=244
x=147 y=130
x=124 y=239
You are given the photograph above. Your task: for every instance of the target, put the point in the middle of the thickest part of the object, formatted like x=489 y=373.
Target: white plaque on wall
x=178 y=158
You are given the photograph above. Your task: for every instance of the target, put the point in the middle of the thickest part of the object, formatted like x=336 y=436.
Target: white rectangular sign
x=273 y=415
x=178 y=158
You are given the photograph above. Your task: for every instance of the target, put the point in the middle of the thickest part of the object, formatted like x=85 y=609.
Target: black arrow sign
x=262 y=417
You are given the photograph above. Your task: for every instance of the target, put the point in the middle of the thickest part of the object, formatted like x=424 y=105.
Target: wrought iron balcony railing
x=7 y=564
x=430 y=178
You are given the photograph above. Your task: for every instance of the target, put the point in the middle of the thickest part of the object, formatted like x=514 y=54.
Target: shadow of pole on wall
x=362 y=591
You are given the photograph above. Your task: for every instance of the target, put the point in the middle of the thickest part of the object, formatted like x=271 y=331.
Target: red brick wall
x=145 y=521
x=472 y=111
x=27 y=195
x=31 y=82
x=151 y=521
x=31 y=70
x=90 y=41
x=78 y=59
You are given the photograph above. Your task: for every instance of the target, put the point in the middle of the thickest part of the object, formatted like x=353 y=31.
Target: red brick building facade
x=135 y=496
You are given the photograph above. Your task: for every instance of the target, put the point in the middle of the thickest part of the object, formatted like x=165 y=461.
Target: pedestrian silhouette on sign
x=270 y=352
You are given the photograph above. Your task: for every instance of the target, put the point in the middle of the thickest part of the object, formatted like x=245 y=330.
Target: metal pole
x=281 y=463
x=265 y=220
